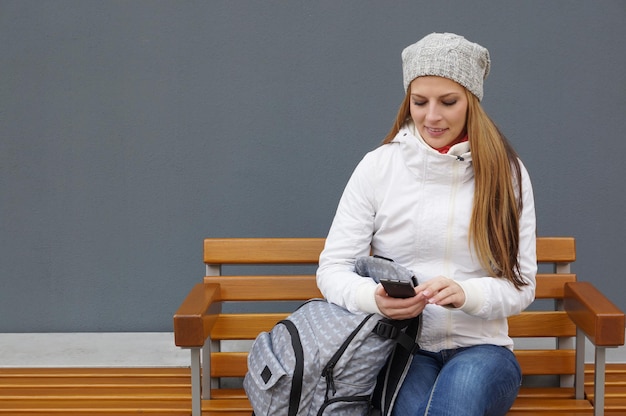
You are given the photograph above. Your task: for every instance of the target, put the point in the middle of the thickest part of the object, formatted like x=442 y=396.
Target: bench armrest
x=593 y=313
x=195 y=317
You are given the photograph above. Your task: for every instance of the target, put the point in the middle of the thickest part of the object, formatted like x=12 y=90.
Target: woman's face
x=438 y=109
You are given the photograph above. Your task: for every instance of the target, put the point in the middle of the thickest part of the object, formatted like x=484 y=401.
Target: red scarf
x=443 y=150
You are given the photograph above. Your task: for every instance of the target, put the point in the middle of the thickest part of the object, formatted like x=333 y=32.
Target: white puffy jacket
x=408 y=202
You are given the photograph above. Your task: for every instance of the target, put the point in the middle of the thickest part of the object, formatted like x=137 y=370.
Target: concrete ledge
x=143 y=349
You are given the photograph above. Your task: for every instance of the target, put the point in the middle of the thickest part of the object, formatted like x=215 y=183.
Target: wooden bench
x=242 y=295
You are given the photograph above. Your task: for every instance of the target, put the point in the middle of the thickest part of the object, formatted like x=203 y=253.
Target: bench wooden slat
x=523 y=412
x=231 y=406
x=262 y=250
x=547 y=392
x=233 y=326
x=307 y=250
x=545 y=362
x=559 y=406
x=524 y=392
x=541 y=324
x=533 y=362
x=276 y=287
x=556 y=249
x=523 y=405
x=534 y=412
x=228 y=394
x=92 y=406
x=104 y=392
x=229 y=364
x=550 y=406
x=301 y=287
x=552 y=286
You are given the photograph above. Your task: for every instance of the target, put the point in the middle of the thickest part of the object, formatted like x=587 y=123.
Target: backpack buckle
x=386 y=329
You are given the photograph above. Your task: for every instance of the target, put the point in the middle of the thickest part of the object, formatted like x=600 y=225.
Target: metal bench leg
x=196 y=398
x=598 y=382
x=208 y=382
x=579 y=380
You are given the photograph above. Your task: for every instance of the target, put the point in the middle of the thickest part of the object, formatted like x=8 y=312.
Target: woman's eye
x=449 y=103
x=419 y=103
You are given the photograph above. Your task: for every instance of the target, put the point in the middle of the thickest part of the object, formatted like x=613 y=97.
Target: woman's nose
x=432 y=113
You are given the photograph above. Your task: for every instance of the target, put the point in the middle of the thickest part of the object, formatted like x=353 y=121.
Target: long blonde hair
x=494 y=225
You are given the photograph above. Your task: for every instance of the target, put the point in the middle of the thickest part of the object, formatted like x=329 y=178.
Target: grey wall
x=130 y=130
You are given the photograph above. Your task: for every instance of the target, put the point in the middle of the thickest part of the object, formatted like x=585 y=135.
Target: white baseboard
x=141 y=349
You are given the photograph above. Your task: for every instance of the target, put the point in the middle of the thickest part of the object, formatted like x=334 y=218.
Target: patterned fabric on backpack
x=322 y=360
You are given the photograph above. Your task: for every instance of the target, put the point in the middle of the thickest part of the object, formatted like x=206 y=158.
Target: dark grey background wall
x=130 y=130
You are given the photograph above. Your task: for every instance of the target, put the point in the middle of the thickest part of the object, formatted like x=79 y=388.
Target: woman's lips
x=435 y=132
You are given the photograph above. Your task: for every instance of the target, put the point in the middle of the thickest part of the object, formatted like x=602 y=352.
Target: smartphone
x=398 y=289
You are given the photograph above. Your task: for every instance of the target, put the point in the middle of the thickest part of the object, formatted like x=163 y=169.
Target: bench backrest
x=552 y=323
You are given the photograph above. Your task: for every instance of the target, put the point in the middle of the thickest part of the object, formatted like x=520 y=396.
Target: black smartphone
x=398 y=289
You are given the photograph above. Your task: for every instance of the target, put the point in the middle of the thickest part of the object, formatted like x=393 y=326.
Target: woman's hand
x=399 y=308
x=442 y=291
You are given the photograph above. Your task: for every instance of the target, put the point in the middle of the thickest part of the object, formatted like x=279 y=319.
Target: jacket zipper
x=449 y=236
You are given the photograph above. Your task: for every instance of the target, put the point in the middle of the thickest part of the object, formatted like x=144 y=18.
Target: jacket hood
x=422 y=160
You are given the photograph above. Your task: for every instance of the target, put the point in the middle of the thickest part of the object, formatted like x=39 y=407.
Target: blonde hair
x=494 y=225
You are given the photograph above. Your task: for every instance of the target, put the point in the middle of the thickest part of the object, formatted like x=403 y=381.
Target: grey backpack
x=325 y=360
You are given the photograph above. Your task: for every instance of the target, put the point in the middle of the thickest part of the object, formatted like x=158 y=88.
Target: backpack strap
x=392 y=375
x=298 y=371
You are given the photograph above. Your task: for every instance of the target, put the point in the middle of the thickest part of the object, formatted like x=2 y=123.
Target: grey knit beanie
x=450 y=56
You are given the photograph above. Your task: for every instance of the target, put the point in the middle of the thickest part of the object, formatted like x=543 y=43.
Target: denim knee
x=477 y=380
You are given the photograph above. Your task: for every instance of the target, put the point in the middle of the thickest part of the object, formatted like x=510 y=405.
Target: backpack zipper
x=327 y=372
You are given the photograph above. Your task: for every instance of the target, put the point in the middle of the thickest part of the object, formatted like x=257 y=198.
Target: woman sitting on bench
x=447 y=197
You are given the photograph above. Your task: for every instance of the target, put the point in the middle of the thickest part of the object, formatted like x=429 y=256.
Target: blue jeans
x=481 y=380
